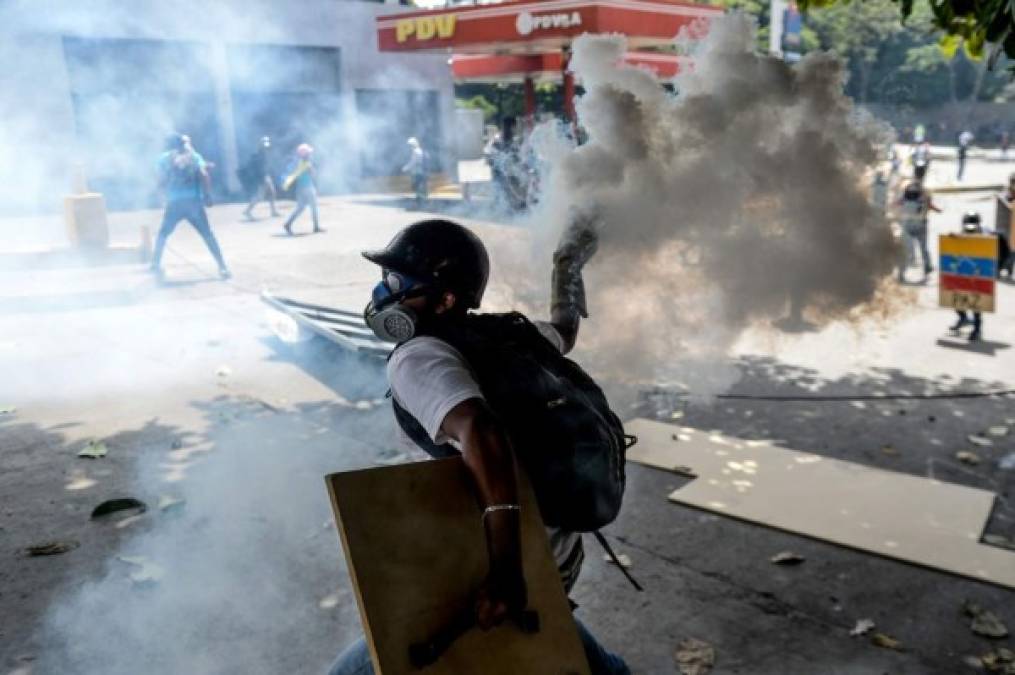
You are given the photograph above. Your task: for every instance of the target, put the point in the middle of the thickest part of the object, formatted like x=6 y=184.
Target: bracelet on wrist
x=494 y=508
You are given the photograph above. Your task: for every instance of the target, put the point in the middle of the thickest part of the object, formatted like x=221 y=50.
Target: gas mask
x=385 y=314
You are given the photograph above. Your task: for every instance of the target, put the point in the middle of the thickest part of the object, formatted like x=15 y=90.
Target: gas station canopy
x=527 y=39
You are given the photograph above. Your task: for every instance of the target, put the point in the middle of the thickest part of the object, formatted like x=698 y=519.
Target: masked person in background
x=416 y=168
x=478 y=385
x=920 y=158
x=183 y=174
x=299 y=177
x=258 y=174
x=914 y=207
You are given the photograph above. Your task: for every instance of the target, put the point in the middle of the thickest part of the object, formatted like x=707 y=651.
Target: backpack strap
x=616 y=561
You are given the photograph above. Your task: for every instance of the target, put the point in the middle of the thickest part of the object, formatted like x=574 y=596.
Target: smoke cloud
x=716 y=206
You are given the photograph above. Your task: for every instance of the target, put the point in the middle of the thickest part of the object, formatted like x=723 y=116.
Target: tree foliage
x=973 y=24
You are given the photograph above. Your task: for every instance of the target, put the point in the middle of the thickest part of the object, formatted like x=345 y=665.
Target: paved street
x=196 y=400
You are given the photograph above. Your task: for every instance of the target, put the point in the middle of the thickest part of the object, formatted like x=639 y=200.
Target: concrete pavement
x=197 y=400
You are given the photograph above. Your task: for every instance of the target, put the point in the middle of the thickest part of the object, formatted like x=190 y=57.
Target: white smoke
x=717 y=204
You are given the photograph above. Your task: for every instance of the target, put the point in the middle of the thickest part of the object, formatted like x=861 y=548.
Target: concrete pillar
x=226 y=121
x=569 y=112
x=529 y=88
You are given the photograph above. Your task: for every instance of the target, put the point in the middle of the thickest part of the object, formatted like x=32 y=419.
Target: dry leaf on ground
x=787 y=558
x=694 y=657
x=93 y=450
x=52 y=548
x=886 y=641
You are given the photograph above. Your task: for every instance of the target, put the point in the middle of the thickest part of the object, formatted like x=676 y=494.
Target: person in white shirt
x=432 y=273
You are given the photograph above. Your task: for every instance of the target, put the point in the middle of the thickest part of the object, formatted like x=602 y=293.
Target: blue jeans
x=355 y=659
x=191 y=210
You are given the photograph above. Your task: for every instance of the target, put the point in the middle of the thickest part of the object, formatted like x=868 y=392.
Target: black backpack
x=571 y=445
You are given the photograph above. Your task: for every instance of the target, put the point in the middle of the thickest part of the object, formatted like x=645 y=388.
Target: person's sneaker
x=975 y=335
x=318 y=230
x=248 y=216
x=928 y=269
x=224 y=273
x=959 y=324
x=288 y=228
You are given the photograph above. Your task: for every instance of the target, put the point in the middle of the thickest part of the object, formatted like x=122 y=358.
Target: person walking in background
x=258 y=175
x=920 y=159
x=1005 y=143
x=300 y=177
x=416 y=168
x=1003 y=228
x=183 y=174
x=965 y=141
x=914 y=206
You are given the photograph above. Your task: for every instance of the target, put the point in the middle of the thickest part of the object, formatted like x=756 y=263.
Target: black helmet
x=971 y=221
x=441 y=252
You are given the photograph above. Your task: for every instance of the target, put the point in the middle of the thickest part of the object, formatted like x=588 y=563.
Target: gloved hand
x=579 y=243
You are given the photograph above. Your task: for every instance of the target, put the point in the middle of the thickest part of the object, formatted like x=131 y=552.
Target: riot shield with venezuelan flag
x=968 y=268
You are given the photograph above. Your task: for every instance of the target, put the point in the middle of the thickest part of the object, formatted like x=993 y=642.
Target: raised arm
x=567 y=299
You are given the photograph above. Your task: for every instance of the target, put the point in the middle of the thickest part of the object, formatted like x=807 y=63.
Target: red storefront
x=526 y=40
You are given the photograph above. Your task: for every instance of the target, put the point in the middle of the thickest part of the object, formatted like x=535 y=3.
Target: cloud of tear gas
x=717 y=206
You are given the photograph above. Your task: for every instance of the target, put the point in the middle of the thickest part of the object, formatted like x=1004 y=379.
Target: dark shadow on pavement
x=985 y=347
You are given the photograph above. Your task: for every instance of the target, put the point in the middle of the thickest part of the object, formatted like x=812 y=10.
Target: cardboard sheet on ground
x=416 y=550
x=917 y=520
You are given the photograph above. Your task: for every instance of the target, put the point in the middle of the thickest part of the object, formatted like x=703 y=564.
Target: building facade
x=101 y=83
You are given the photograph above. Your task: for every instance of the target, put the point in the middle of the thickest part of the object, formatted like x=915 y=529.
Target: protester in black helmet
x=971 y=224
x=432 y=273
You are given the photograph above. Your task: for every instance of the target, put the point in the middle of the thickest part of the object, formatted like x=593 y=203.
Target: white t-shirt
x=428 y=378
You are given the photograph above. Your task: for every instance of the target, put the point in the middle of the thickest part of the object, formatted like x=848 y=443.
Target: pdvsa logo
x=529 y=23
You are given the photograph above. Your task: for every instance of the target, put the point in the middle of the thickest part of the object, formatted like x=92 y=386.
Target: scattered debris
x=889 y=450
x=7 y=410
x=787 y=558
x=329 y=601
x=1007 y=462
x=176 y=444
x=967 y=457
x=862 y=627
x=223 y=371
x=999 y=661
x=128 y=521
x=79 y=480
x=886 y=641
x=999 y=430
x=676 y=414
x=981 y=441
x=985 y=622
x=694 y=657
x=625 y=560
x=52 y=548
x=170 y=504
x=931 y=418
x=114 y=505
x=146 y=572
x=94 y=450
x=999 y=540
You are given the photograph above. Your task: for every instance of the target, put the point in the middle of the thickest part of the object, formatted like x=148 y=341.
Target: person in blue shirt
x=183 y=174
